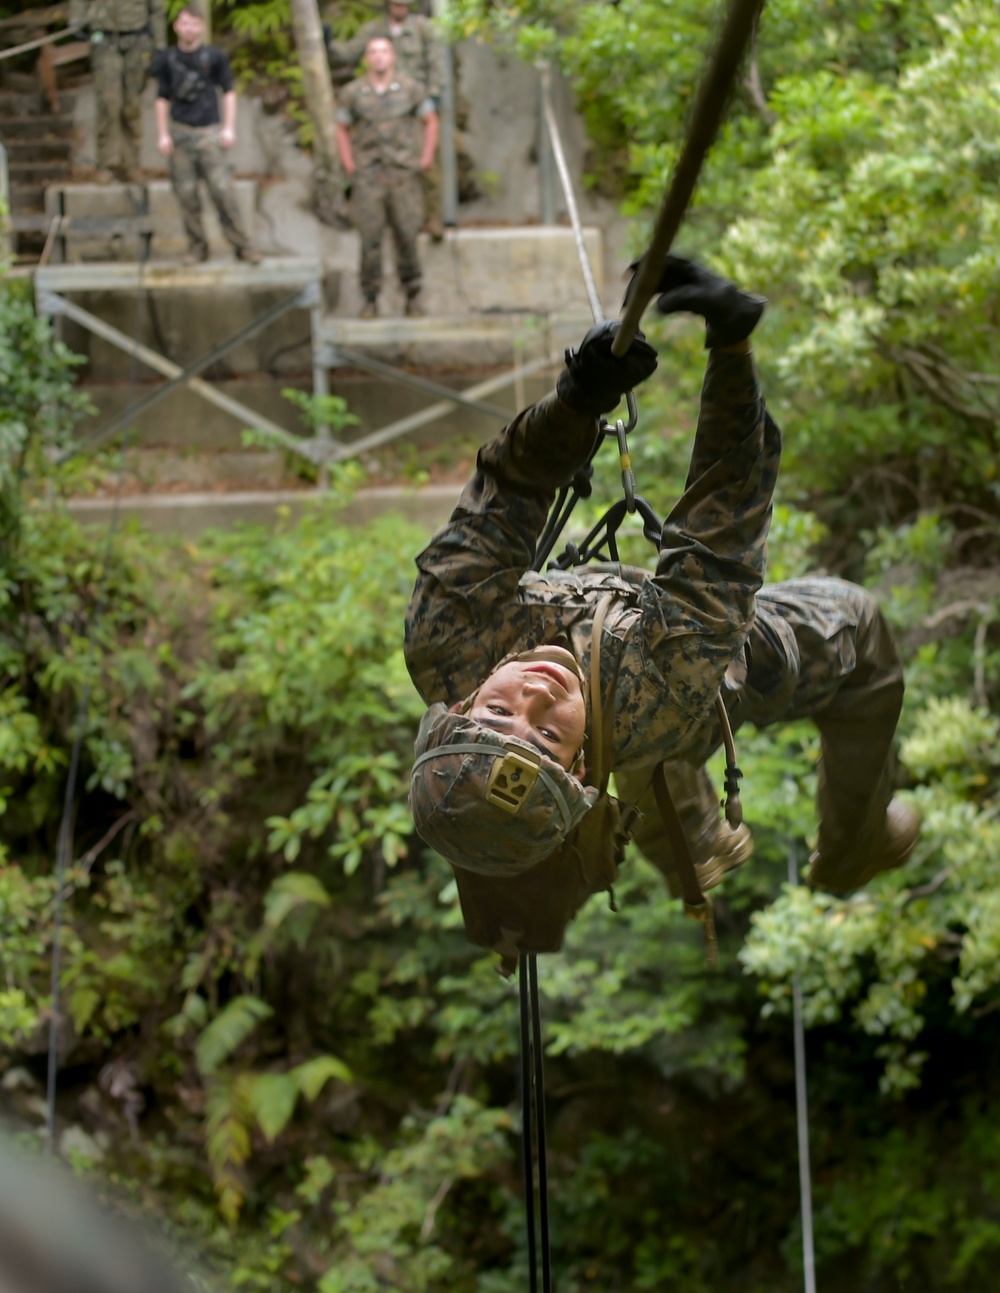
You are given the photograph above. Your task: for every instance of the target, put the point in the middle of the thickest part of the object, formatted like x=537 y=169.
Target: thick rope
x=705 y=121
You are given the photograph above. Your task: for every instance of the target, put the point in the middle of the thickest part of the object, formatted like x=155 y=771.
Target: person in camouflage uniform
x=673 y=638
x=420 y=55
x=123 y=36
x=190 y=135
x=386 y=135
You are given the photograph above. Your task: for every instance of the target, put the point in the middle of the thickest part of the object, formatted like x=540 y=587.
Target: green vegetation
x=279 y=1036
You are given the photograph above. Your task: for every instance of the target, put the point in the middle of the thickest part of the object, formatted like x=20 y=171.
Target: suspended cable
x=64 y=844
x=552 y=125
x=802 y=1108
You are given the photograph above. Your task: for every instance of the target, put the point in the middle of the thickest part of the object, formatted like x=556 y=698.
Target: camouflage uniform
x=199 y=155
x=701 y=622
x=123 y=35
x=386 y=141
x=420 y=55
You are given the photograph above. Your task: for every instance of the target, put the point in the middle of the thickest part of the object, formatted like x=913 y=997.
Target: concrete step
x=476 y=340
x=22 y=152
x=25 y=197
x=42 y=172
x=21 y=103
x=188 y=515
x=35 y=126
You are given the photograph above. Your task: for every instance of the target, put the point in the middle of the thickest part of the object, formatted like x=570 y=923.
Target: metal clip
x=511 y=779
x=625 y=462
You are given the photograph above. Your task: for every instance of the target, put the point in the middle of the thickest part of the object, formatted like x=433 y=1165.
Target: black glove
x=730 y=313
x=594 y=380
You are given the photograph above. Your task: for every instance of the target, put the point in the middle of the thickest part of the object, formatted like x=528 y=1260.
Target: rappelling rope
x=64 y=844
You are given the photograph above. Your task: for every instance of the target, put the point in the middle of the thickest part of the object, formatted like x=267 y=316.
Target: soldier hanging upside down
x=502 y=654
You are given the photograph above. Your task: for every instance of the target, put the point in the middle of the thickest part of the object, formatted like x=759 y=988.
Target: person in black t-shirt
x=190 y=135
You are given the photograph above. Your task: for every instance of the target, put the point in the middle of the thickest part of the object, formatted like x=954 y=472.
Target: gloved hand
x=594 y=380
x=731 y=314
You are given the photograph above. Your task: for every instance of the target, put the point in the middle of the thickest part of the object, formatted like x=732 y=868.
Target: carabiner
x=625 y=462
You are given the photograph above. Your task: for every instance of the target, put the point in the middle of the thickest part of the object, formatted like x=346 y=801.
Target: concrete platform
x=114 y=199
x=186 y=515
x=473 y=340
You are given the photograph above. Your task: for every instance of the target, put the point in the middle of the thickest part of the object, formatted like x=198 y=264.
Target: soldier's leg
x=368 y=213
x=715 y=847
x=108 y=70
x=406 y=216
x=135 y=68
x=217 y=171
x=184 y=178
x=831 y=638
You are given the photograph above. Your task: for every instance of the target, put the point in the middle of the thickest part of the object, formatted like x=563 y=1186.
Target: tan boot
x=249 y=255
x=369 y=310
x=414 y=309
x=892 y=848
x=195 y=256
x=732 y=848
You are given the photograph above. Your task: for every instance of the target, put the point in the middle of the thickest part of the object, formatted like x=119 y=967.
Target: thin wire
x=802 y=1110
x=65 y=839
x=567 y=186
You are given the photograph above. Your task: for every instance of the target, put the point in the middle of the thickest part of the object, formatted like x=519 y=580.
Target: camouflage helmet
x=487 y=803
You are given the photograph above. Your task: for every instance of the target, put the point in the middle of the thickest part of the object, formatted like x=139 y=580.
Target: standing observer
x=123 y=35
x=386 y=135
x=420 y=55
x=191 y=136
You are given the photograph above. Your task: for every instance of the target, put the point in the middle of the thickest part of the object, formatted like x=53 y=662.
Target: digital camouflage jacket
x=385 y=128
x=476 y=599
x=122 y=16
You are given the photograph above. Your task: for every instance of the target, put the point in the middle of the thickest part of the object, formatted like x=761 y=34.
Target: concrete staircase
x=39 y=147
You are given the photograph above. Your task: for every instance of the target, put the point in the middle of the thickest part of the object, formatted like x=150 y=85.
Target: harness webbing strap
x=697 y=905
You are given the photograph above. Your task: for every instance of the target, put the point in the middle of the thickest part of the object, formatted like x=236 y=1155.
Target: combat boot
x=195 y=256
x=731 y=848
x=370 y=308
x=414 y=308
x=249 y=255
x=891 y=849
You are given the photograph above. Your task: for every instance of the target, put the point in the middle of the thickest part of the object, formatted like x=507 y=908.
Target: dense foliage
x=273 y=1029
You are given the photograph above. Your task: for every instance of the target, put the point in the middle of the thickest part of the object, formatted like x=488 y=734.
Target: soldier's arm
x=699 y=607
x=430 y=120
x=158 y=22
x=469 y=573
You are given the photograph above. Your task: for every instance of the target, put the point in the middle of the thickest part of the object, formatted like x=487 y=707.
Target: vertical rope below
x=802 y=1111
x=527 y=1140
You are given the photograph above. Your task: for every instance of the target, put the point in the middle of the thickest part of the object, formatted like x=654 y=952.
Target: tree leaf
x=228 y=1029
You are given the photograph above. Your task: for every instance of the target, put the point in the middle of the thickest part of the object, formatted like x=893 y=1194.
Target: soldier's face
x=538 y=701
x=380 y=56
x=397 y=12
x=190 y=30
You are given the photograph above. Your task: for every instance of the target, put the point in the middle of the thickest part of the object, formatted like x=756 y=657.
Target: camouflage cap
x=488 y=803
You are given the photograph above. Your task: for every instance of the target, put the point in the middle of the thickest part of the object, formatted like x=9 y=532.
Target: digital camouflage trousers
x=197 y=156
x=380 y=196
x=819 y=649
x=120 y=67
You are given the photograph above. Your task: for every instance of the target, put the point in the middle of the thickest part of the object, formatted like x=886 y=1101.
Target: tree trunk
x=328 y=185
